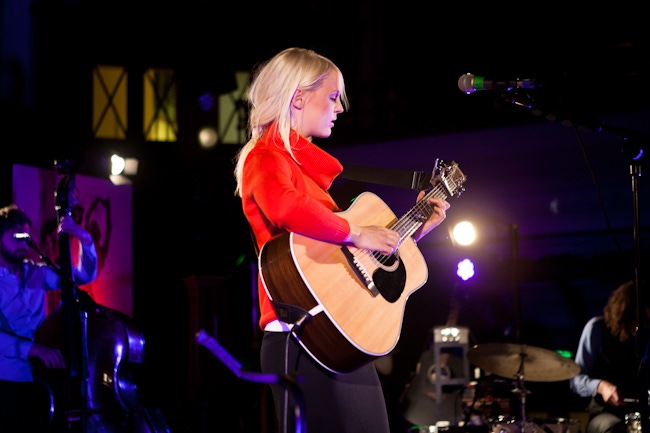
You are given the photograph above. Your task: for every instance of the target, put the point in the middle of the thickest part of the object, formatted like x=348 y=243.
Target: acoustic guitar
x=352 y=300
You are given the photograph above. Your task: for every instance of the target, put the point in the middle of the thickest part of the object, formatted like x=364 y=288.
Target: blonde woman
x=283 y=180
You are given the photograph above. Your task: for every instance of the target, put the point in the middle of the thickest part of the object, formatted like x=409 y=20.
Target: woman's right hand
x=374 y=238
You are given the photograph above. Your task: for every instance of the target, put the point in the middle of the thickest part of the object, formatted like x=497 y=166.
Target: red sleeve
x=289 y=199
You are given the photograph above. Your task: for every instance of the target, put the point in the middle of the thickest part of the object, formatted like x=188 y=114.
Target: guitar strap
x=417 y=180
x=291 y=313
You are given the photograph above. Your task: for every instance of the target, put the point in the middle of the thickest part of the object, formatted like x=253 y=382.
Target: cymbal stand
x=521 y=392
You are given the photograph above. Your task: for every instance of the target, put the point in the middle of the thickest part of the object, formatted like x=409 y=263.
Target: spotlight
x=208 y=137
x=450 y=334
x=121 y=165
x=121 y=168
x=464 y=233
x=465 y=269
x=117 y=165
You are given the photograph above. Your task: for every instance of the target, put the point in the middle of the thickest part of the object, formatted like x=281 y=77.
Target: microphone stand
x=288 y=382
x=632 y=149
x=46 y=260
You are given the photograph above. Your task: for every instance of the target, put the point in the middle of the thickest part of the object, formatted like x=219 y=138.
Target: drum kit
x=519 y=363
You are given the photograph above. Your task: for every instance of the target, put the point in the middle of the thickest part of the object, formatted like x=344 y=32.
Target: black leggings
x=342 y=403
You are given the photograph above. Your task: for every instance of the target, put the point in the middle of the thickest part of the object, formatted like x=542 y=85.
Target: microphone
x=469 y=83
x=22 y=236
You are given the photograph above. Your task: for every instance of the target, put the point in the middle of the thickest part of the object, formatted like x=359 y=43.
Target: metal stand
x=447 y=338
x=233 y=365
x=521 y=392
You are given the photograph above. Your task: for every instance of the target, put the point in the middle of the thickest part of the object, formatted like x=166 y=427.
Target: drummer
x=607 y=357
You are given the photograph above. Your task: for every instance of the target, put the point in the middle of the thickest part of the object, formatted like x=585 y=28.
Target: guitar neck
x=448 y=181
x=418 y=214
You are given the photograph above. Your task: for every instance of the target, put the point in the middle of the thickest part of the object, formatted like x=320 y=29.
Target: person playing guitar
x=283 y=180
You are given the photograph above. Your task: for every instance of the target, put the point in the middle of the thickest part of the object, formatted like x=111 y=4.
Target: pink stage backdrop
x=105 y=210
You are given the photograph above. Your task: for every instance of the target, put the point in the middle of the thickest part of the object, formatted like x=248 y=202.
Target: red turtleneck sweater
x=279 y=195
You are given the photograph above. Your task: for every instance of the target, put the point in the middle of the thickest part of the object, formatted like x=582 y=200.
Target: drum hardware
x=486 y=400
x=434 y=395
x=509 y=360
x=522 y=362
x=429 y=428
x=505 y=424
x=633 y=422
x=560 y=425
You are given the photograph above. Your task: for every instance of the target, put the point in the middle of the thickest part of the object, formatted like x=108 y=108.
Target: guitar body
x=353 y=320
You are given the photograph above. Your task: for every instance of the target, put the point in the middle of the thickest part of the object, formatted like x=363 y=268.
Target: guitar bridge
x=360 y=272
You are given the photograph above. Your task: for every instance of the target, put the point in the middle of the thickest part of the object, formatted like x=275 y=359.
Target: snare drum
x=507 y=424
x=561 y=425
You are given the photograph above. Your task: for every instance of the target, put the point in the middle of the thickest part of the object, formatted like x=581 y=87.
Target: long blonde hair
x=271 y=91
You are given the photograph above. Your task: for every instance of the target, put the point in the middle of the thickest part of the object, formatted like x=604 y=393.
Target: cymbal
x=539 y=365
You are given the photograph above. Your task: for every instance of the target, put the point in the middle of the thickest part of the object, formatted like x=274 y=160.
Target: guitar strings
x=410 y=222
x=416 y=216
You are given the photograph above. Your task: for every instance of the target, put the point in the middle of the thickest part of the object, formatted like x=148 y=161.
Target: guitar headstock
x=450 y=176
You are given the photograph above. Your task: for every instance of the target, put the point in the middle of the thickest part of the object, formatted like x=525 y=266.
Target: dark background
x=567 y=191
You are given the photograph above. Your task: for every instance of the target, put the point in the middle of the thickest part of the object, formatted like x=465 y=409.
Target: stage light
x=465 y=269
x=450 y=334
x=117 y=165
x=208 y=137
x=464 y=233
x=120 y=165
x=121 y=168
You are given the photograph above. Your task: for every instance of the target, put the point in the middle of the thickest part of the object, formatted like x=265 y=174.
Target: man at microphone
x=23 y=287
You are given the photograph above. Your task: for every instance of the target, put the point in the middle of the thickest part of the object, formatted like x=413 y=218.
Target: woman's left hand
x=437 y=216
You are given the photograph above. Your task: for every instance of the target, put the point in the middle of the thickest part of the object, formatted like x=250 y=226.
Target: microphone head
x=466 y=83
x=25 y=237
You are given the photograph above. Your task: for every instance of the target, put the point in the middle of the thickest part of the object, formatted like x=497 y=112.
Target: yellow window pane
x=160 y=121
x=110 y=102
